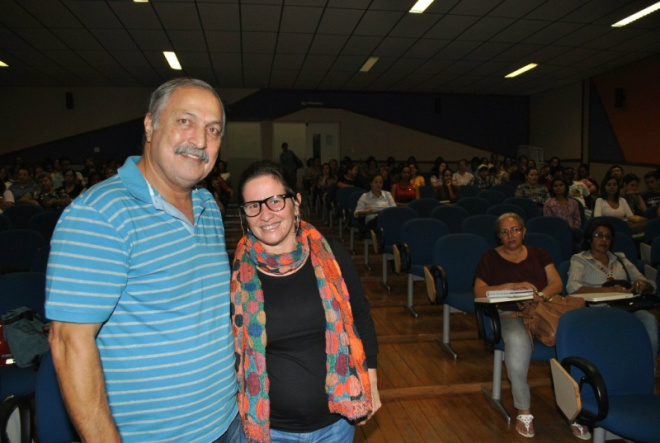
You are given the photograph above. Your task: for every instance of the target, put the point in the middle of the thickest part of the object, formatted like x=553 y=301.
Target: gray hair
x=161 y=96
x=512 y=215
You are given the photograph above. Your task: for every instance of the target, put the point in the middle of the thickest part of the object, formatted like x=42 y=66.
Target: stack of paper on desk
x=510 y=293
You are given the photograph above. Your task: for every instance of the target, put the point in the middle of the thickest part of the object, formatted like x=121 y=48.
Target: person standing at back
x=290 y=163
x=138 y=288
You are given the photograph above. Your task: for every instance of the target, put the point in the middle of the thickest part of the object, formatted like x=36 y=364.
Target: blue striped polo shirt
x=160 y=287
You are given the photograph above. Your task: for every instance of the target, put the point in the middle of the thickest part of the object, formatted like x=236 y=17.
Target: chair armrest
x=594 y=379
x=483 y=311
x=378 y=238
x=401 y=258
x=437 y=273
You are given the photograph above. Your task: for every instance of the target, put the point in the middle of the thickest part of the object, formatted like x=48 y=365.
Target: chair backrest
x=426 y=191
x=505 y=189
x=344 y=196
x=468 y=191
x=53 y=424
x=615 y=341
x=17 y=248
x=473 y=205
x=459 y=255
x=23 y=289
x=652 y=230
x=391 y=220
x=655 y=252
x=562 y=270
x=546 y=242
x=20 y=214
x=530 y=207
x=5 y=223
x=618 y=224
x=44 y=223
x=556 y=227
x=419 y=234
x=583 y=215
x=482 y=225
x=503 y=208
x=493 y=197
x=452 y=216
x=424 y=206
x=624 y=243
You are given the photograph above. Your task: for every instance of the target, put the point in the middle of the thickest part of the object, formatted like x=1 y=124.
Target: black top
x=295 y=354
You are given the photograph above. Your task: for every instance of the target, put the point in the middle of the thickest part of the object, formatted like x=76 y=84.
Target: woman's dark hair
x=603 y=192
x=595 y=224
x=373 y=177
x=530 y=169
x=261 y=168
x=628 y=178
x=552 y=186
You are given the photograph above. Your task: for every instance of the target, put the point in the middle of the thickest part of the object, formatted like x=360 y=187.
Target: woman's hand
x=375 y=396
x=523 y=285
x=639 y=286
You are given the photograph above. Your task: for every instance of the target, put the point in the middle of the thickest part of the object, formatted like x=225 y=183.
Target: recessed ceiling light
x=371 y=61
x=420 y=6
x=172 y=60
x=3 y=64
x=636 y=16
x=521 y=70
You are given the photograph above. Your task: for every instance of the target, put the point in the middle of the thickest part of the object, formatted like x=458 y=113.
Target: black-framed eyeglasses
x=603 y=235
x=275 y=203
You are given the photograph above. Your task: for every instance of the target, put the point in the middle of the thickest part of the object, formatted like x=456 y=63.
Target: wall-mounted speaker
x=69 y=100
x=619 y=98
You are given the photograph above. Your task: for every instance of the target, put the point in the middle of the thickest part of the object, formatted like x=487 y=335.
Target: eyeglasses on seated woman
x=304 y=338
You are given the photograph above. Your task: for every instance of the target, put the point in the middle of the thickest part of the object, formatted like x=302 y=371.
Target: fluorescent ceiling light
x=636 y=16
x=521 y=70
x=172 y=60
x=420 y=6
x=140 y=1
x=371 y=61
x=3 y=64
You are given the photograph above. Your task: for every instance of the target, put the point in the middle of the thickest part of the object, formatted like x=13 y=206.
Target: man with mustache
x=138 y=288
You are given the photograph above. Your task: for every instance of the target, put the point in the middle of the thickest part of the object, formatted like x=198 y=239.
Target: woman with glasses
x=304 y=339
x=596 y=266
x=513 y=266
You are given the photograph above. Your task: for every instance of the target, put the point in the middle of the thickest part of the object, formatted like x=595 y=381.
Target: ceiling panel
x=457 y=46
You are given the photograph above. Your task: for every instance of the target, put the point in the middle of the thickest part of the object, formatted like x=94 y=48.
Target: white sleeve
x=626 y=208
x=598 y=209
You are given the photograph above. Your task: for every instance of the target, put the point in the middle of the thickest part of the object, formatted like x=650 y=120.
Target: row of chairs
x=26 y=216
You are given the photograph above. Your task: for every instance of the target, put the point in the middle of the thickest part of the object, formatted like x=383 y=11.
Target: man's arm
x=78 y=366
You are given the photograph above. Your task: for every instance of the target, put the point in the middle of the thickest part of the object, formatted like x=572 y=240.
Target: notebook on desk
x=597 y=297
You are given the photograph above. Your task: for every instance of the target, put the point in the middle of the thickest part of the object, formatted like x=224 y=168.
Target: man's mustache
x=193 y=152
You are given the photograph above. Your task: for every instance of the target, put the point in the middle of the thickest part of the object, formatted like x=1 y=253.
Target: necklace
x=609 y=272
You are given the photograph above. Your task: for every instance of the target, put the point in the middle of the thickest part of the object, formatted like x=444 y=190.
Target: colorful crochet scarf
x=347 y=380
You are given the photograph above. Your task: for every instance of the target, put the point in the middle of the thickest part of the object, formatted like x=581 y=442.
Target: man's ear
x=148 y=127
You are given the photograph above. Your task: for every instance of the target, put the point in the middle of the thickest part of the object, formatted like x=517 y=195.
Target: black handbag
x=644 y=301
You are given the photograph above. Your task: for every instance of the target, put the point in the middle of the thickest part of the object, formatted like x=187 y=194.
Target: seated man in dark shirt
x=652 y=195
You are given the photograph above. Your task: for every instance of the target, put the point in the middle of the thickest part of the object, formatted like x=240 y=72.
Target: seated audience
x=511 y=266
x=615 y=171
x=47 y=197
x=6 y=197
x=576 y=188
x=384 y=172
x=462 y=177
x=416 y=179
x=350 y=176
x=403 y=191
x=652 y=195
x=531 y=189
x=23 y=184
x=483 y=180
x=584 y=177
x=437 y=174
x=597 y=269
x=559 y=205
x=612 y=204
x=70 y=184
x=447 y=189
x=373 y=201
x=630 y=191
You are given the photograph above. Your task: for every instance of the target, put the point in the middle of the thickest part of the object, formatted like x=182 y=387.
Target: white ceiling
x=462 y=46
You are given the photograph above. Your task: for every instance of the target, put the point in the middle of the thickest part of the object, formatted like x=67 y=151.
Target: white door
x=322 y=140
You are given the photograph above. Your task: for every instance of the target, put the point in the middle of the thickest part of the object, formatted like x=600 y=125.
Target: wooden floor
x=426 y=395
